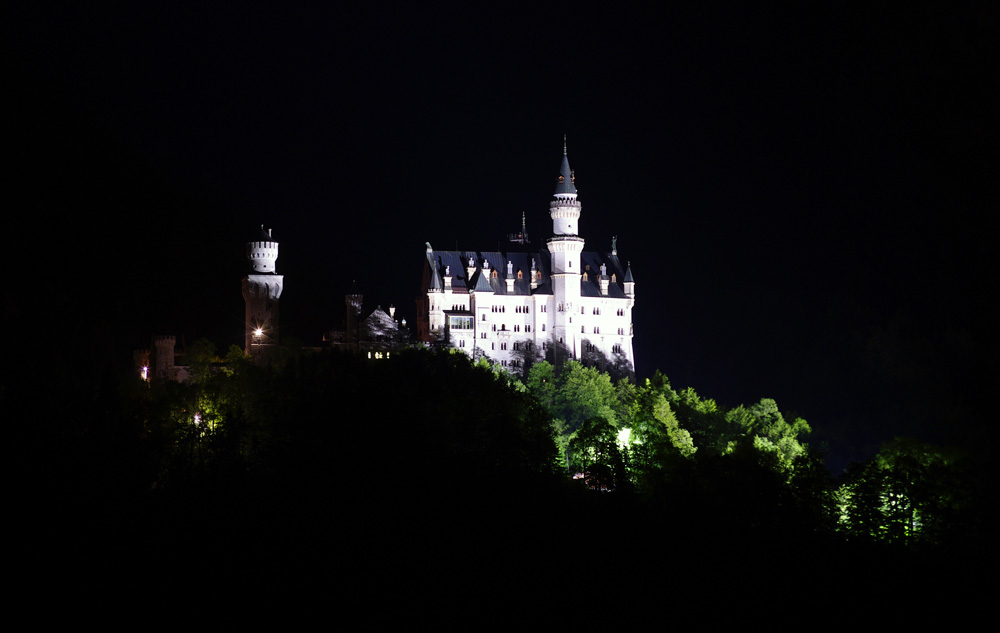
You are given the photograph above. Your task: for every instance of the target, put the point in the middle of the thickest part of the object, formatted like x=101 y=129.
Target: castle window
x=597 y=330
x=581 y=310
x=527 y=328
x=543 y=327
x=520 y=275
x=582 y=329
x=494 y=274
x=484 y=316
x=538 y=275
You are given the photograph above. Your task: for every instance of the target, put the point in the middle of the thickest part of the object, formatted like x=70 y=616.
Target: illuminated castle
x=523 y=304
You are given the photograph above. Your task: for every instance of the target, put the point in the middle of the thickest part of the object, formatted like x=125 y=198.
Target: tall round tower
x=565 y=247
x=261 y=290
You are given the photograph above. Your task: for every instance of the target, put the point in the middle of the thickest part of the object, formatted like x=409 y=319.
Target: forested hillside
x=427 y=461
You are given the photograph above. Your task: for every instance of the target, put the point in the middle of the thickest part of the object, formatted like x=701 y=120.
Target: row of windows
x=517 y=328
x=526 y=309
x=517 y=309
x=526 y=345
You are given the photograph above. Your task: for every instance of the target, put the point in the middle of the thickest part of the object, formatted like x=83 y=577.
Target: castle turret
x=629 y=282
x=163 y=356
x=261 y=290
x=352 y=320
x=565 y=208
x=565 y=248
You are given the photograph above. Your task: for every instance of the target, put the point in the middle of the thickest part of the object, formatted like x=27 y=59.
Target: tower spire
x=566 y=183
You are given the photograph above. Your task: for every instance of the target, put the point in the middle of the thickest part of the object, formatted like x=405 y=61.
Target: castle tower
x=163 y=357
x=565 y=247
x=352 y=321
x=261 y=290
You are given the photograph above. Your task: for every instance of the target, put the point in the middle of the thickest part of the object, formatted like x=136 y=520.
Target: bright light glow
x=258 y=332
x=144 y=372
x=197 y=418
x=623 y=436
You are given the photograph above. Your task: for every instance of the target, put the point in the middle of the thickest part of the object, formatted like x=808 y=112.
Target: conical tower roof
x=565 y=183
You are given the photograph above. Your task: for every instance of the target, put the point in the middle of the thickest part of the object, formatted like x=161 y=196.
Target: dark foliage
x=426 y=468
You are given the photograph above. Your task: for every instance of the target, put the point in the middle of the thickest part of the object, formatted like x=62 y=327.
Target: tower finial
x=564 y=144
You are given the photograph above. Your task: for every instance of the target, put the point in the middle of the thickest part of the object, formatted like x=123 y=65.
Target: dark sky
x=805 y=194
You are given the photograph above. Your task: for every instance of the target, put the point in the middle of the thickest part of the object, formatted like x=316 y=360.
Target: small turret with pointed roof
x=565 y=208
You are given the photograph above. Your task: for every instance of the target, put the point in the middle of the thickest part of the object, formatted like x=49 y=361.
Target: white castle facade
x=515 y=306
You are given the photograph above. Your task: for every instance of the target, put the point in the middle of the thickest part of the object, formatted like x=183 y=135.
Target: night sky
x=805 y=194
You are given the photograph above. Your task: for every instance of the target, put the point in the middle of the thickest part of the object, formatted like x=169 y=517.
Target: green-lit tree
x=911 y=492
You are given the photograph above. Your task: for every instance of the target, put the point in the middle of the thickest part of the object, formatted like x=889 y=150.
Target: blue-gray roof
x=565 y=182
x=521 y=261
